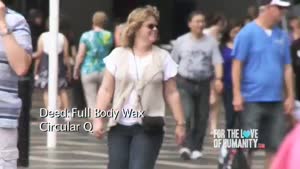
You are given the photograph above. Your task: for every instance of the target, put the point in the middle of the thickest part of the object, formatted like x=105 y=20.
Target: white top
x=268 y=32
x=170 y=70
x=207 y=31
x=46 y=42
x=210 y=32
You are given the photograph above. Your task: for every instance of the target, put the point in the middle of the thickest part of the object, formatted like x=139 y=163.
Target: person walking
x=196 y=54
x=226 y=50
x=295 y=51
x=216 y=24
x=118 y=34
x=94 y=46
x=15 y=61
x=226 y=46
x=25 y=90
x=41 y=70
x=261 y=69
x=287 y=156
x=139 y=77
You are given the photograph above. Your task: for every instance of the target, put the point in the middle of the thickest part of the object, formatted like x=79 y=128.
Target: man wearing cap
x=261 y=72
x=15 y=59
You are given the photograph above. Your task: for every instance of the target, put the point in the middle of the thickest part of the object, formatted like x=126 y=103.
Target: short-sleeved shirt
x=137 y=67
x=10 y=103
x=98 y=45
x=264 y=54
x=196 y=57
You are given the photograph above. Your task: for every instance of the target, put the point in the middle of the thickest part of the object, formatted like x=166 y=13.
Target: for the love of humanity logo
x=237 y=138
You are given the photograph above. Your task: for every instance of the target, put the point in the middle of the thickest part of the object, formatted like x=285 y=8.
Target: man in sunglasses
x=261 y=71
x=15 y=60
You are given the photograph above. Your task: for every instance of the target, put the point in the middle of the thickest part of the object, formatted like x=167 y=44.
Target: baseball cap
x=282 y=3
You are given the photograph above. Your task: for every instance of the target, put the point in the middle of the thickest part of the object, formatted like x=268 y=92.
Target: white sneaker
x=185 y=153
x=196 y=155
x=68 y=118
x=223 y=154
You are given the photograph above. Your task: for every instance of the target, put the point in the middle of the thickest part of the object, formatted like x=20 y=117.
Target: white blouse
x=170 y=70
x=46 y=42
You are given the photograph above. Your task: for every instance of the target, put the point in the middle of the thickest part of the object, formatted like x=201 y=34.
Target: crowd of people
x=249 y=65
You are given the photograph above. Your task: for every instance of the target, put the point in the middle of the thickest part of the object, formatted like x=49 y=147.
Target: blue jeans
x=129 y=147
x=195 y=101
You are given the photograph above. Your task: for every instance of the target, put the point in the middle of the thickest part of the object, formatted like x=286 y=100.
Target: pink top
x=288 y=156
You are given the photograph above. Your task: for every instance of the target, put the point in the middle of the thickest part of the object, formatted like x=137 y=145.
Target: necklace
x=138 y=98
x=136 y=67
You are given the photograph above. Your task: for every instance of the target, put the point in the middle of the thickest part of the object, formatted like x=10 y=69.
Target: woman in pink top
x=288 y=156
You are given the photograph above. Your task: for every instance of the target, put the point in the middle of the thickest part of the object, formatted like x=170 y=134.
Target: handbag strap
x=139 y=97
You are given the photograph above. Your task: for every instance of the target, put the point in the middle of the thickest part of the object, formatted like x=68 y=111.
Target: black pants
x=129 y=147
x=25 y=93
x=298 y=87
x=230 y=114
x=78 y=99
x=195 y=100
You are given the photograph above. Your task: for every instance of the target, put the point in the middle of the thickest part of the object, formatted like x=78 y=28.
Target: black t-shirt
x=36 y=31
x=295 y=51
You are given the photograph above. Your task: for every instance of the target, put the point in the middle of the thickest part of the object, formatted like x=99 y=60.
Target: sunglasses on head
x=281 y=7
x=152 y=26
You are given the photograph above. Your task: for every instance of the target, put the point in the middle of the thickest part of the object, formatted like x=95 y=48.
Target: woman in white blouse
x=139 y=77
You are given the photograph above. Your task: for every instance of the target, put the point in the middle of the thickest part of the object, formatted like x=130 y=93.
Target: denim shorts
x=269 y=119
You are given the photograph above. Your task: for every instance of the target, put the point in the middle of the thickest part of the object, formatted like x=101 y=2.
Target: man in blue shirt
x=261 y=69
x=15 y=59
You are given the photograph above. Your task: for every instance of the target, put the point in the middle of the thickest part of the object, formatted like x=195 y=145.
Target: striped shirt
x=10 y=103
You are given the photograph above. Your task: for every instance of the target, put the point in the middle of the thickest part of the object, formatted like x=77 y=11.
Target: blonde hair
x=99 y=18
x=134 y=22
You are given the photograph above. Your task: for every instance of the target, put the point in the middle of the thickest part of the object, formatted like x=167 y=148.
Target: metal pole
x=53 y=68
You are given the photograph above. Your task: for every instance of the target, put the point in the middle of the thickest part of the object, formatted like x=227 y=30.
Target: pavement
x=80 y=150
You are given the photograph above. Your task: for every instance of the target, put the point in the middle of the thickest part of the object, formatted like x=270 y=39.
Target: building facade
x=173 y=12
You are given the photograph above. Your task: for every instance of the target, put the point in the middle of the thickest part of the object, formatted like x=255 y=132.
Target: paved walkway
x=81 y=150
